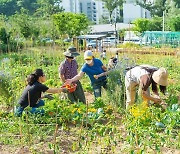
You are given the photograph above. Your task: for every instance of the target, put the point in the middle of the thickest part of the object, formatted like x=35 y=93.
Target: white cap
x=88 y=54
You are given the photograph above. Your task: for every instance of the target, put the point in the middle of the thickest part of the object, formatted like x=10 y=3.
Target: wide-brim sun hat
x=161 y=76
x=88 y=54
x=71 y=52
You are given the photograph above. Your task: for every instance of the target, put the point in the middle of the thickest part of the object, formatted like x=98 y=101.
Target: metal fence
x=161 y=38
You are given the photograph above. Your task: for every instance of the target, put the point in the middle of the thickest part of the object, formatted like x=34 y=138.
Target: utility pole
x=163 y=21
x=163 y=27
x=115 y=28
x=75 y=6
x=129 y=31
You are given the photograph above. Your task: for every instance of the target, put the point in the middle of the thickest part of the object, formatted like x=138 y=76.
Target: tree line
x=34 y=7
x=24 y=21
x=33 y=20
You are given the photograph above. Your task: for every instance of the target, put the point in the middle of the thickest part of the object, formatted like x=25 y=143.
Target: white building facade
x=96 y=10
x=89 y=8
x=132 y=11
x=71 y=6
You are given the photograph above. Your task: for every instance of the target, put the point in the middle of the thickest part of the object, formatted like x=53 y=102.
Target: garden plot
x=100 y=127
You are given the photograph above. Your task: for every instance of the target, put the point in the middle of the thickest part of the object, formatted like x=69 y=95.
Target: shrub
x=12 y=46
x=5 y=87
x=129 y=45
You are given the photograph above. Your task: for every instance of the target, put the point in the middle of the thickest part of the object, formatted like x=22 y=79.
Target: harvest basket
x=71 y=88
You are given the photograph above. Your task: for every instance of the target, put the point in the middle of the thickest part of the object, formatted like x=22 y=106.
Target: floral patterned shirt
x=68 y=69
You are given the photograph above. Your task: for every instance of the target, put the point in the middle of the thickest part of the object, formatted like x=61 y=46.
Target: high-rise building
x=132 y=11
x=71 y=6
x=89 y=7
x=96 y=10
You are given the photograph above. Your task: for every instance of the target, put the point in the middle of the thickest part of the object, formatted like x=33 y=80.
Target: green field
x=100 y=126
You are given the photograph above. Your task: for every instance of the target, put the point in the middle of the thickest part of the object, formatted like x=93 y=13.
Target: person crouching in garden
x=143 y=77
x=67 y=70
x=31 y=95
x=92 y=67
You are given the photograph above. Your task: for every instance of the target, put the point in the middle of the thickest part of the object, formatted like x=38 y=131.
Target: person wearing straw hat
x=144 y=76
x=92 y=67
x=31 y=95
x=67 y=70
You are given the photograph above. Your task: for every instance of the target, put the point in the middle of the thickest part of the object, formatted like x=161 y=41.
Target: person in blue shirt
x=92 y=67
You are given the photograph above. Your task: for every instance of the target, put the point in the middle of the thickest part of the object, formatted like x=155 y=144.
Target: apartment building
x=71 y=6
x=96 y=10
x=132 y=11
x=89 y=8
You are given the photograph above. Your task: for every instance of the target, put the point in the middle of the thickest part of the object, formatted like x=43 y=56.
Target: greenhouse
x=161 y=38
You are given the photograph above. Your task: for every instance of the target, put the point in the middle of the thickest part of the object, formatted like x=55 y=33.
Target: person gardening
x=142 y=77
x=67 y=70
x=32 y=94
x=92 y=67
x=112 y=63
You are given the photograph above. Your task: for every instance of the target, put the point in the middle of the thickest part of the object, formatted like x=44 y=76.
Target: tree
x=155 y=8
x=48 y=7
x=24 y=23
x=141 y=25
x=3 y=20
x=171 y=17
x=4 y=35
x=30 y=5
x=122 y=34
x=8 y=7
x=177 y=3
x=70 y=24
x=40 y=7
x=155 y=24
x=111 y=5
x=174 y=23
x=103 y=20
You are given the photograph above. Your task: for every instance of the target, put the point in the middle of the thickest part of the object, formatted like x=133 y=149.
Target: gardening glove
x=49 y=96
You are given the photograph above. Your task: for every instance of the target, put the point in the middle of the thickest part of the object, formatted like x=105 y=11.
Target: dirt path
x=89 y=97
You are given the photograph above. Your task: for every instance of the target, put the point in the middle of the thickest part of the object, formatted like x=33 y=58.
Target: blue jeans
x=97 y=87
x=34 y=109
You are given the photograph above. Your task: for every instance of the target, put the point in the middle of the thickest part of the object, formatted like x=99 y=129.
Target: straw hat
x=71 y=52
x=161 y=76
x=88 y=54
